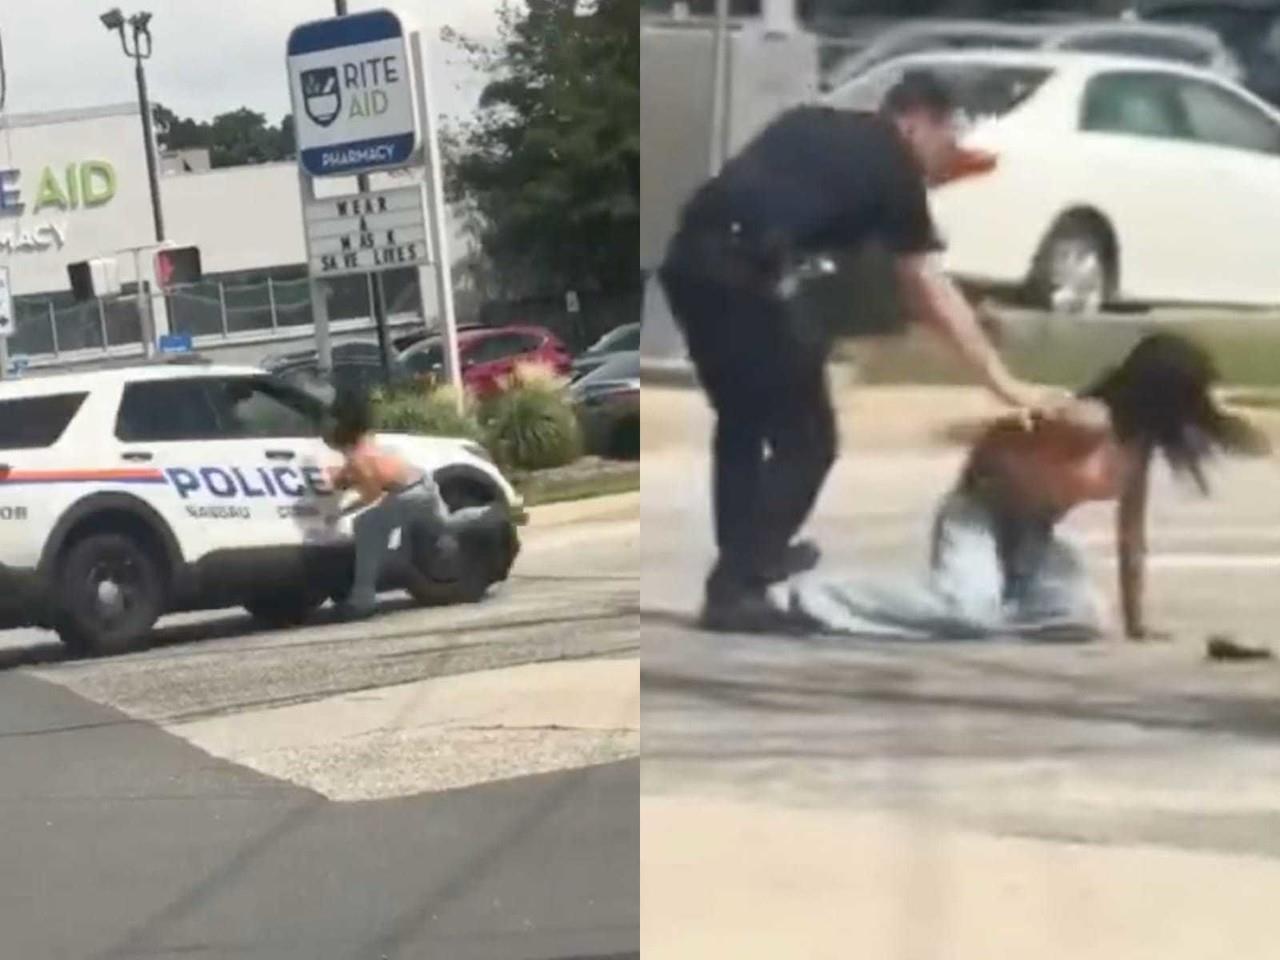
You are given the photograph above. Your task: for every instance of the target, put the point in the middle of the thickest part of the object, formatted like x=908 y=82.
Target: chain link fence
x=212 y=310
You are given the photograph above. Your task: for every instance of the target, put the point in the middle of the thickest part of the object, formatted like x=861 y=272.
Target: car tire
x=481 y=555
x=1074 y=271
x=287 y=608
x=111 y=592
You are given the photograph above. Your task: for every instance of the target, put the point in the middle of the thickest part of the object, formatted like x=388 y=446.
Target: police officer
x=815 y=180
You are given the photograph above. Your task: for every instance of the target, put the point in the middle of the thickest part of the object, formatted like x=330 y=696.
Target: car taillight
x=968 y=162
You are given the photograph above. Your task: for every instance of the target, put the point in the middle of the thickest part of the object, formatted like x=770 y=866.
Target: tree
x=550 y=167
x=232 y=139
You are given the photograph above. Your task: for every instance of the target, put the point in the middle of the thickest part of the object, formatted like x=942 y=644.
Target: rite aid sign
x=353 y=96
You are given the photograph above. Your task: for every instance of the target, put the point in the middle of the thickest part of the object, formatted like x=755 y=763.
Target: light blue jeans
x=418 y=503
x=989 y=576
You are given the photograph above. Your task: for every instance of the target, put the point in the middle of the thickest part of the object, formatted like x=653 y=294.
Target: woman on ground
x=998 y=564
x=391 y=494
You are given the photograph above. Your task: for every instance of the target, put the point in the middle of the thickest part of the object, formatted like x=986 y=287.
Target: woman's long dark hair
x=1161 y=395
x=350 y=418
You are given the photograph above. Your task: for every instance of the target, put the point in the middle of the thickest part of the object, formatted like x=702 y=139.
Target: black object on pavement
x=1225 y=648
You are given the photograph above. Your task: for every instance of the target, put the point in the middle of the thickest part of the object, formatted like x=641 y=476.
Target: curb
x=667 y=372
x=561 y=485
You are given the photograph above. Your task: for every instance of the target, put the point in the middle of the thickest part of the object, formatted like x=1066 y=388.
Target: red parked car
x=488 y=355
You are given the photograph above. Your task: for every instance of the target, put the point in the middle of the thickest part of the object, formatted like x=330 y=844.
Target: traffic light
x=95 y=278
x=175 y=265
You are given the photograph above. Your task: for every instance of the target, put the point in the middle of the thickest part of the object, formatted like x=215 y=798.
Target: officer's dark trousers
x=765 y=376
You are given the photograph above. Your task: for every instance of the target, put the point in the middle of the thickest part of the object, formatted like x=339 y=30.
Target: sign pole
x=319 y=303
x=436 y=222
x=144 y=312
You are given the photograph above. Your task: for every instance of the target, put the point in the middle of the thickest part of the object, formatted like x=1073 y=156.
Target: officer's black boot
x=739 y=604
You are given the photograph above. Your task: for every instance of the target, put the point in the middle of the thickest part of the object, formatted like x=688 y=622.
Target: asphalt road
x=1111 y=743
x=446 y=783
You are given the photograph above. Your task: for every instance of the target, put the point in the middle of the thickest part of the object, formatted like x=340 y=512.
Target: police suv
x=129 y=493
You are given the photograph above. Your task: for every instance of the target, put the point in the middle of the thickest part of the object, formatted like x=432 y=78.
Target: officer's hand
x=1034 y=401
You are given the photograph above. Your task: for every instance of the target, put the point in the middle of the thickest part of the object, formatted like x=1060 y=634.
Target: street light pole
x=140 y=31
x=153 y=177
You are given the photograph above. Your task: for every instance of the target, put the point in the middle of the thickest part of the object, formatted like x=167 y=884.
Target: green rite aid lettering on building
x=88 y=184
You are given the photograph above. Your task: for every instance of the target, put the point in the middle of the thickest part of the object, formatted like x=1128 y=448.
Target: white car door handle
x=280 y=454
x=136 y=456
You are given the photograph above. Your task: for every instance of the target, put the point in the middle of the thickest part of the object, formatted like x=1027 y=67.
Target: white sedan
x=1111 y=180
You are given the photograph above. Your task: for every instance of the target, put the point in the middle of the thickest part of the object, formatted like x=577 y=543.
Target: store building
x=73 y=185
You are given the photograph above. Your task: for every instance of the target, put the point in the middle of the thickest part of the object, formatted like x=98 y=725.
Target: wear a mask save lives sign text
x=366 y=231
x=353 y=94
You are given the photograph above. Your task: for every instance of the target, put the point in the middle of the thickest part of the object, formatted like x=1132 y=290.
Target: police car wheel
x=284 y=609
x=461 y=577
x=480 y=555
x=111 y=593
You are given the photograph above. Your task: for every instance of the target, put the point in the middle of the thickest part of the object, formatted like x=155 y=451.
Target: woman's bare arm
x=1131 y=543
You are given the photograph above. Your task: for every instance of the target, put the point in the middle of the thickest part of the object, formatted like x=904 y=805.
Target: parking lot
x=958 y=801
x=429 y=763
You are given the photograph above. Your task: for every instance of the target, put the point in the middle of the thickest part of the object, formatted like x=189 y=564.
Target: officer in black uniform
x=815 y=180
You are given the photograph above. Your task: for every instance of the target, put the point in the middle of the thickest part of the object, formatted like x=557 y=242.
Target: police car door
x=215 y=497
x=280 y=430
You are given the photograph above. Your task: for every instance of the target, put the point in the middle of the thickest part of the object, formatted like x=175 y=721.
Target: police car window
x=35 y=422
x=258 y=407
x=1221 y=118
x=168 y=410
x=1139 y=104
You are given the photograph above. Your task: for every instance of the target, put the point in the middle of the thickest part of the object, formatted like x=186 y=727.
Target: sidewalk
x=729 y=879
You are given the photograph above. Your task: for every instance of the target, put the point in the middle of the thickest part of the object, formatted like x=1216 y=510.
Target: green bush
x=432 y=412
x=530 y=424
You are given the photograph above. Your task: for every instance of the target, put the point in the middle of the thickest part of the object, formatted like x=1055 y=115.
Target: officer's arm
x=934 y=300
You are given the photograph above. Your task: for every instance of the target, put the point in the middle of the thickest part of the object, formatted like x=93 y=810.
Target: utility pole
x=140 y=31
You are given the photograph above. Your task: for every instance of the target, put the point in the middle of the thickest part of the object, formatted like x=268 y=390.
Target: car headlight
x=478 y=450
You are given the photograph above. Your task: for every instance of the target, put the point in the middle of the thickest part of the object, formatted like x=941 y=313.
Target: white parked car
x=129 y=493
x=1180 y=43
x=1113 y=180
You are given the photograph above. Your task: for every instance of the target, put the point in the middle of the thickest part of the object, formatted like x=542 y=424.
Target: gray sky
x=210 y=55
